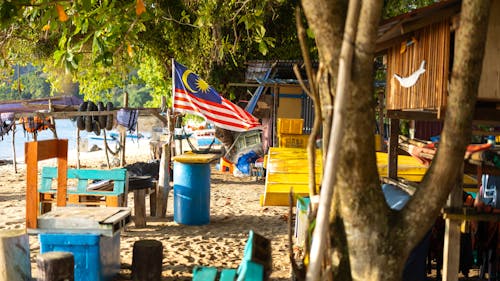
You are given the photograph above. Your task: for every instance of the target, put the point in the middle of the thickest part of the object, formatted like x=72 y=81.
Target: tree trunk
x=378 y=239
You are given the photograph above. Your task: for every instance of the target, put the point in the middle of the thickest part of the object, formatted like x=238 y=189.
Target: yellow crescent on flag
x=184 y=80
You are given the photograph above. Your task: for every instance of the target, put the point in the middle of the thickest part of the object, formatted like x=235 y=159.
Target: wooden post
x=380 y=97
x=15 y=262
x=451 y=249
x=56 y=266
x=393 y=149
x=106 y=150
x=77 y=148
x=163 y=103
x=276 y=92
x=14 y=146
x=140 y=207
x=123 y=133
x=147 y=256
x=171 y=130
x=163 y=186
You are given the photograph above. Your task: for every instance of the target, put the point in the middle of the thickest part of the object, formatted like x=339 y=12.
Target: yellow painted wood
x=288 y=167
x=194 y=158
x=290 y=178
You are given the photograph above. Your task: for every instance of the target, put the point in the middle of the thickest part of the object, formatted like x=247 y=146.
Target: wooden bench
x=110 y=189
x=255 y=266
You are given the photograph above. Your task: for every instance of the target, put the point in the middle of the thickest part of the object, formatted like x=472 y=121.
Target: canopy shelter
x=28 y=106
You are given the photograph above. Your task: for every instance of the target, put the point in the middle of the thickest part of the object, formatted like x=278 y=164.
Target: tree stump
x=56 y=266
x=14 y=255
x=147 y=259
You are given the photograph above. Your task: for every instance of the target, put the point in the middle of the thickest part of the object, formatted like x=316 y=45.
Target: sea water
x=65 y=128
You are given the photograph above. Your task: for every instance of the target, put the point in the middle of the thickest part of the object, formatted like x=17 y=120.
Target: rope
x=194 y=149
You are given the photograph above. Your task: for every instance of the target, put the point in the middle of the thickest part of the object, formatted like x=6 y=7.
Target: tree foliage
x=396 y=7
x=100 y=42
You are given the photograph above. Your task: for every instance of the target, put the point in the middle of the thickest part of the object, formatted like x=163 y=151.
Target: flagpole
x=171 y=116
x=173 y=84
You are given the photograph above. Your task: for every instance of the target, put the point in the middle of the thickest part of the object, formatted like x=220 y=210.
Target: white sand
x=234 y=211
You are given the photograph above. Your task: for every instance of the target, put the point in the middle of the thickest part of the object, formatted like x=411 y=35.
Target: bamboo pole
x=14 y=162
x=77 y=148
x=123 y=133
x=106 y=150
x=322 y=219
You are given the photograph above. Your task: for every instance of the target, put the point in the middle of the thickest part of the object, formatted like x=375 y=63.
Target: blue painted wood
x=248 y=270
x=201 y=273
x=228 y=274
x=85 y=177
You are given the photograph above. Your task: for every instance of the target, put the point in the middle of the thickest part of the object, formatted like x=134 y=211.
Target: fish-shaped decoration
x=413 y=78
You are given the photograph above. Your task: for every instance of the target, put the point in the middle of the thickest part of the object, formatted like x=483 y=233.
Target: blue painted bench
x=110 y=190
x=255 y=266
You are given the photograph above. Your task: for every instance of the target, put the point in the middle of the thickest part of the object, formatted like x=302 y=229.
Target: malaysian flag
x=192 y=94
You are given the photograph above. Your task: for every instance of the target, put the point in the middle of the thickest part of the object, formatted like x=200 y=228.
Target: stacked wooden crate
x=290 y=133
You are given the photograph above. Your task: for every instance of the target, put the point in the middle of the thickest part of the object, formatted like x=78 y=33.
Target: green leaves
x=8 y=12
x=212 y=37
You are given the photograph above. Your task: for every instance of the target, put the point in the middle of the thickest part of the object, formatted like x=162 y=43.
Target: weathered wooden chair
x=39 y=197
x=93 y=187
x=41 y=150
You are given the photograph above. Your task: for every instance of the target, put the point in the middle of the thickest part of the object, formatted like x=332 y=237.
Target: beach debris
x=94 y=147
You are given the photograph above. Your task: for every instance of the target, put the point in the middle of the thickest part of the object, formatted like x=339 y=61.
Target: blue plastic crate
x=97 y=257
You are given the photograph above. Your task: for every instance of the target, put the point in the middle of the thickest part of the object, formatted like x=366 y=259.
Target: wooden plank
x=163 y=184
x=112 y=201
x=105 y=221
x=45 y=149
x=31 y=160
x=140 y=208
x=204 y=273
x=393 y=149
x=56 y=266
x=62 y=176
x=412 y=115
x=469 y=214
x=189 y=157
x=451 y=252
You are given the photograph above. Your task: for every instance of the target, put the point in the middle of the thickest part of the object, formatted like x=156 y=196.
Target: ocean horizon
x=65 y=128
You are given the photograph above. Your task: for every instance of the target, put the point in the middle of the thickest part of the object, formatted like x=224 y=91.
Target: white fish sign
x=409 y=81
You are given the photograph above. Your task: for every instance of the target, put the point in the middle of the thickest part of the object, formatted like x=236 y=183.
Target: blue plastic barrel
x=191 y=193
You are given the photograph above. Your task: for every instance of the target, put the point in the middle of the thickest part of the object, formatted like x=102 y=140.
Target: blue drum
x=191 y=193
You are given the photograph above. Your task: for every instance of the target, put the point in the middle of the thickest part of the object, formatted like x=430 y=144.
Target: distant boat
x=114 y=136
x=205 y=137
x=130 y=136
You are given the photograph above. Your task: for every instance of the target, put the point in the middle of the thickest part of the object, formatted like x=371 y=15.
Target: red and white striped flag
x=192 y=94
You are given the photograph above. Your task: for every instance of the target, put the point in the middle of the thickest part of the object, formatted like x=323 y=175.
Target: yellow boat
x=287 y=168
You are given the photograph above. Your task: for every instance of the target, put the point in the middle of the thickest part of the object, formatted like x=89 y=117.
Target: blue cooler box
x=97 y=257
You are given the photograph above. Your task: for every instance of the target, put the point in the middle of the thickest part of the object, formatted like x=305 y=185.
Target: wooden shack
x=418 y=49
x=427 y=36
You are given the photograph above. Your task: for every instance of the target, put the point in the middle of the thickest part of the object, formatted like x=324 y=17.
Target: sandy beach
x=234 y=210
